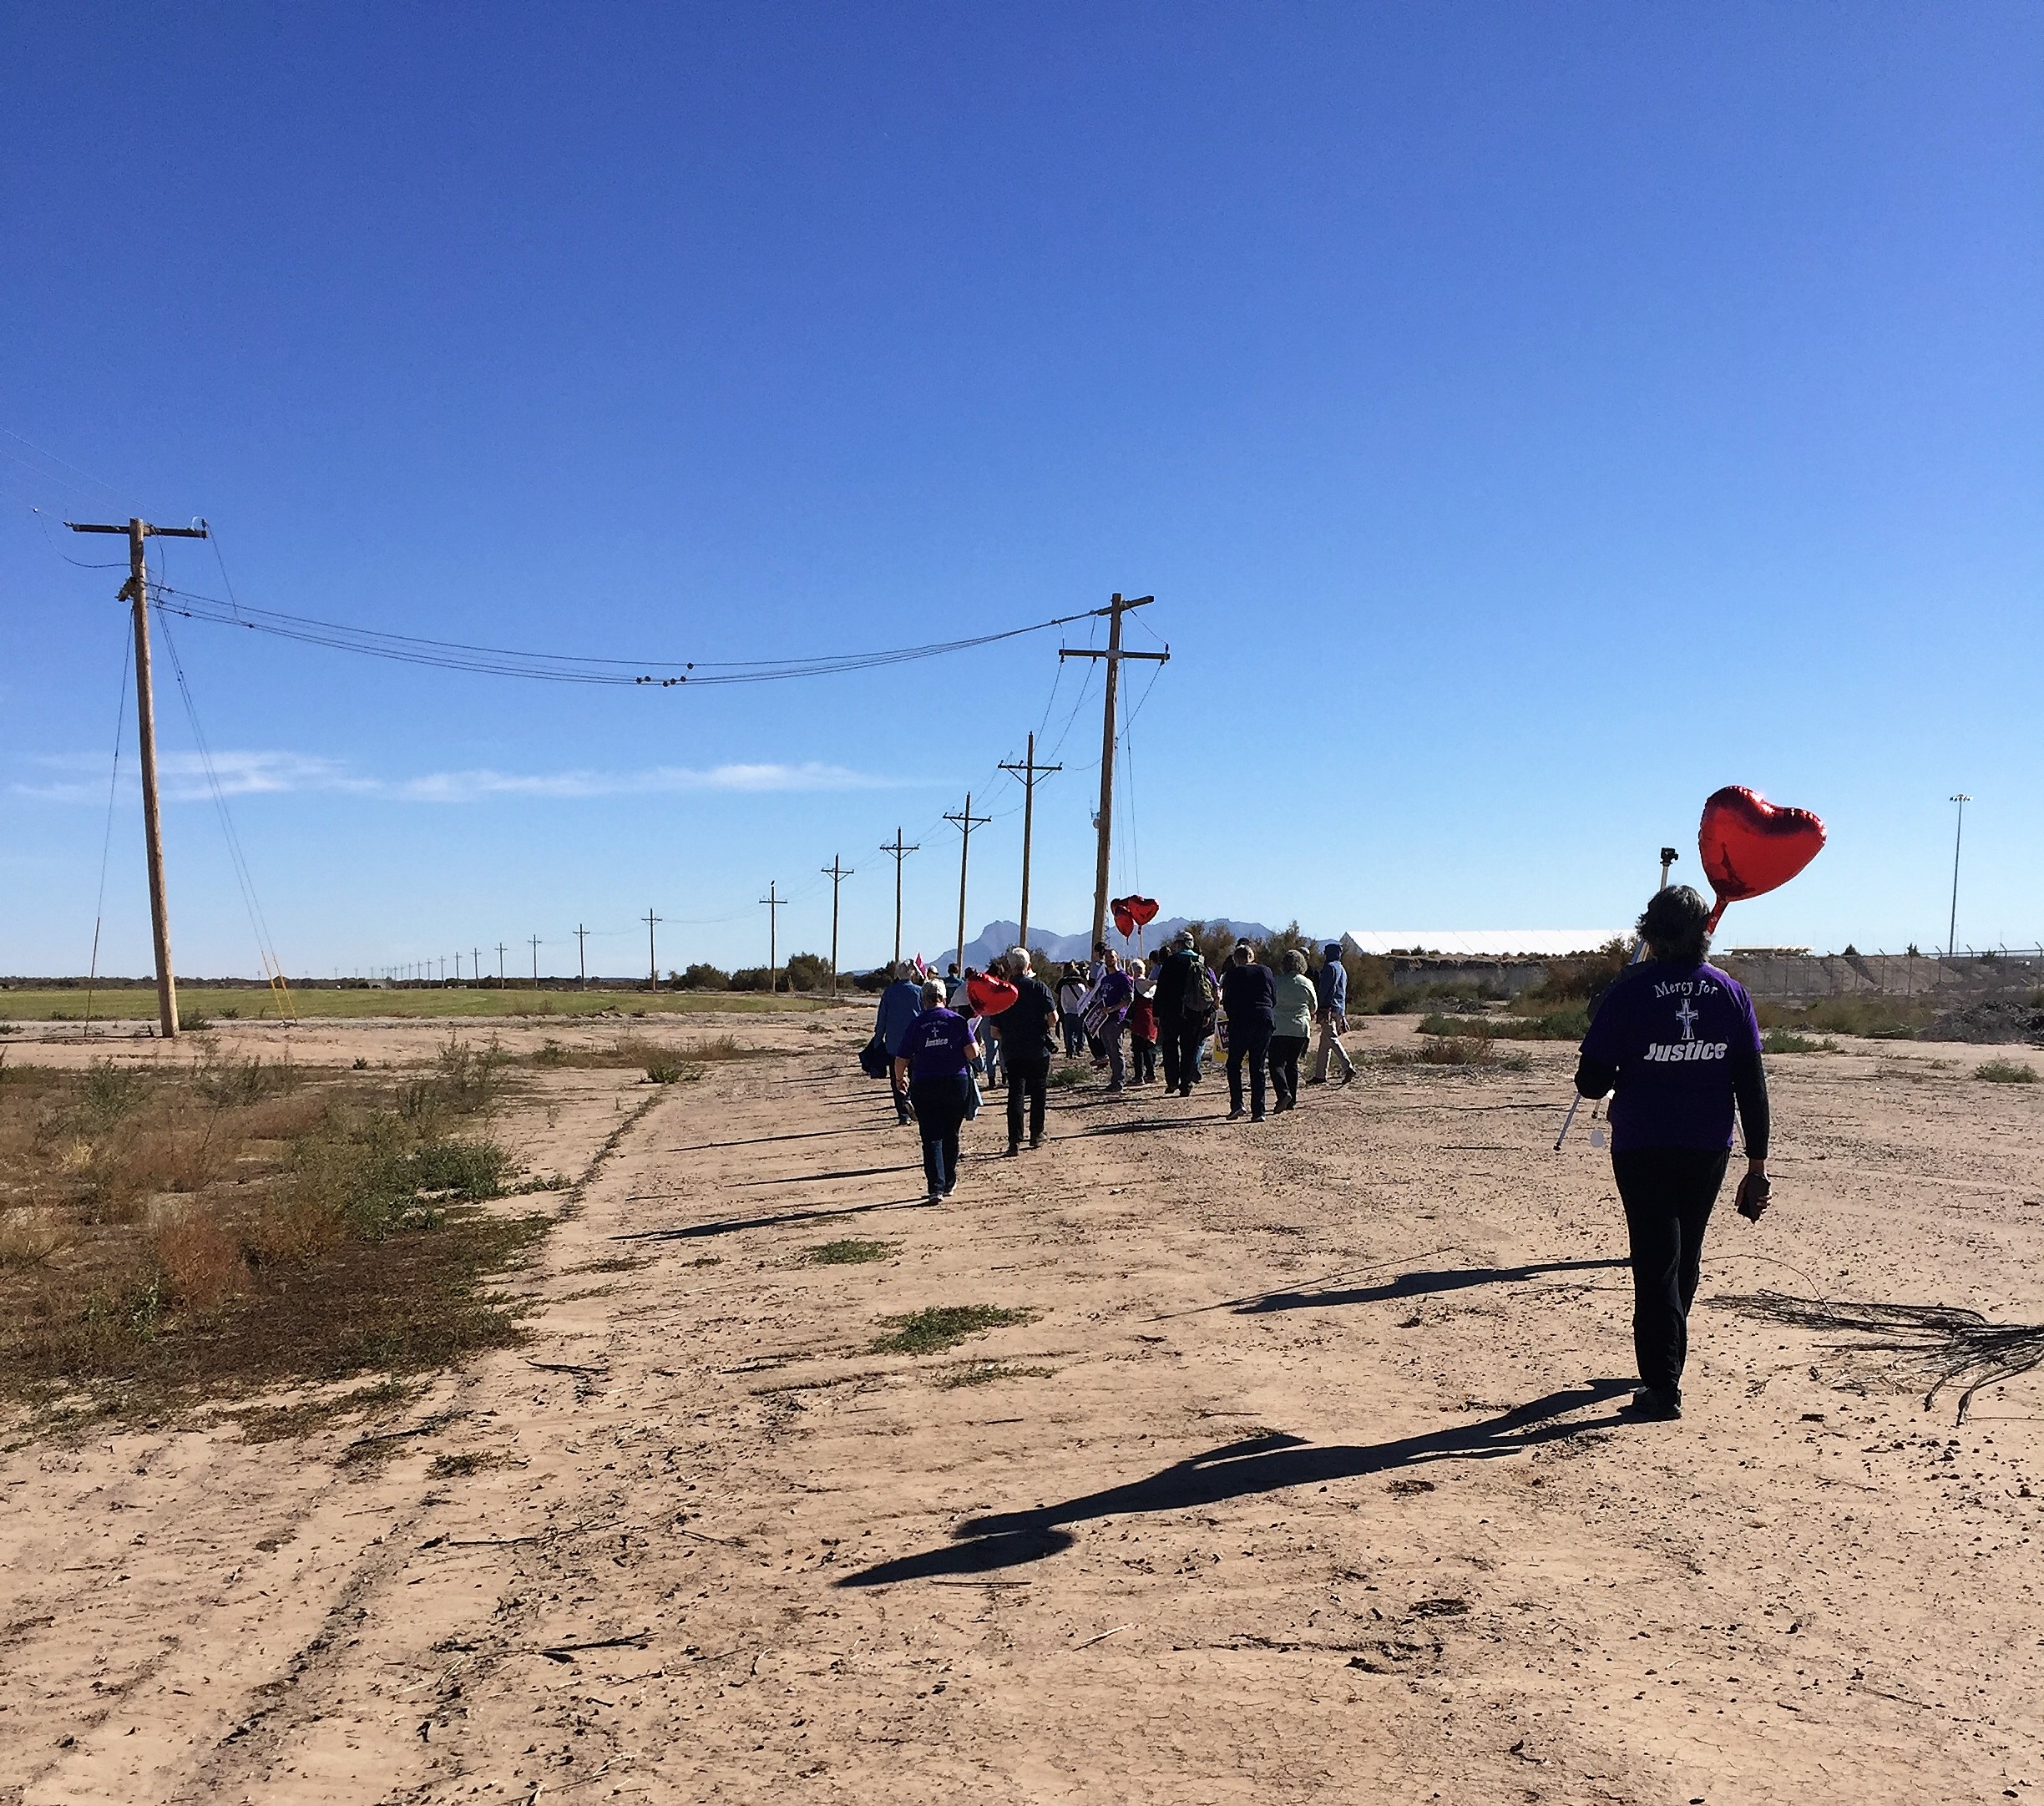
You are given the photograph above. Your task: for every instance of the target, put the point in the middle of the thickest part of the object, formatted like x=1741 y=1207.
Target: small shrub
x=360 y=1065
x=943 y=1326
x=984 y=1373
x=1069 y=1072
x=2006 y=1072
x=111 y=1092
x=231 y=1015
x=849 y=1253
x=1787 y=1041
x=1570 y=1024
x=194 y=1024
x=1464 y=1050
x=671 y=1071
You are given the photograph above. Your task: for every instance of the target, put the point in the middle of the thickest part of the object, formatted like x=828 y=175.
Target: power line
x=563 y=667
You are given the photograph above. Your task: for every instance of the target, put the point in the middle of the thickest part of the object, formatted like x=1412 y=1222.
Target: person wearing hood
x=1331 y=989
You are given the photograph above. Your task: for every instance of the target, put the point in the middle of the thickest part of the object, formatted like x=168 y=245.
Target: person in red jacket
x=1142 y=1025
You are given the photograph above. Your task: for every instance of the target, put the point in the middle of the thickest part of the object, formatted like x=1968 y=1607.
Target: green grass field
x=136 y=1003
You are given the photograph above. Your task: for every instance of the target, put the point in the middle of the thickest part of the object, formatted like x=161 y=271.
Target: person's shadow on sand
x=1417 y=1285
x=1235 y=1471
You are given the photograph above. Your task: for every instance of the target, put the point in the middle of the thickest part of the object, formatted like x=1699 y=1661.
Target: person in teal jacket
x=1297 y=1001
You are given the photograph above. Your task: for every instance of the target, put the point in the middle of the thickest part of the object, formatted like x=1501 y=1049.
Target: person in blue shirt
x=1676 y=1045
x=900 y=1003
x=934 y=1069
x=1331 y=986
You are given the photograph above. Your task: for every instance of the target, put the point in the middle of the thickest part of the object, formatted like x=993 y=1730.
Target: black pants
x=1667 y=1193
x=1286 y=1051
x=1142 y=1060
x=1254 y=1046
x=1034 y=1084
x=1181 y=1042
x=940 y=1106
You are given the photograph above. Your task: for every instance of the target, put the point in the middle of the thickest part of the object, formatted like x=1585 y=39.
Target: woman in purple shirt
x=1676 y=1045
x=933 y=1070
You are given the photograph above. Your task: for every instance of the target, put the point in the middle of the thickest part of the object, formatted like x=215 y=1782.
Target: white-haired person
x=1028 y=1031
x=934 y=1069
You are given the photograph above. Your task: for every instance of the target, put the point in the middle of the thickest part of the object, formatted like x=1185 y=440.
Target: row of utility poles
x=135 y=593
x=1029 y=771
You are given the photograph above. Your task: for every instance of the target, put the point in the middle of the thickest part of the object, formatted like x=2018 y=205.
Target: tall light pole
x=1951 y=933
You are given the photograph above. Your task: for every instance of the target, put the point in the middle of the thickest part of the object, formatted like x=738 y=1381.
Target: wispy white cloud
x=247 y=774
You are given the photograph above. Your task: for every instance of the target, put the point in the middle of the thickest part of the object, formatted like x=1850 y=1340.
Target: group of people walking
x=935 y=1044
x=1674 y=1044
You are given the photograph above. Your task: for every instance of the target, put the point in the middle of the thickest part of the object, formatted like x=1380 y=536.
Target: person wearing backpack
x=1185 y=1004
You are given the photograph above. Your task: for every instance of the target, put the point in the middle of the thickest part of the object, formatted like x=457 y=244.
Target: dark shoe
x=1014 y=1149
x=1256 y=1116
x=936 y=1197
x=1035 y=1142
x=1349 y=1076
x=1316 y=1081
x=1235 y=1116
x=1650 y=1404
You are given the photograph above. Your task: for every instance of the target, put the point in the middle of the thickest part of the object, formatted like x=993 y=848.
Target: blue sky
x=1527 y=418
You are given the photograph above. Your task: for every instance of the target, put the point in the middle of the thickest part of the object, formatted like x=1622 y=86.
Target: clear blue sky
x=1527 y=418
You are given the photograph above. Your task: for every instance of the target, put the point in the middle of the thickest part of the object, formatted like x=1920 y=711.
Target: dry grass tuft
x=199 y=1262
x=32 y=1235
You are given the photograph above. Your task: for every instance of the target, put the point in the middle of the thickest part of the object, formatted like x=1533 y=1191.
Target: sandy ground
x=1323 y=1496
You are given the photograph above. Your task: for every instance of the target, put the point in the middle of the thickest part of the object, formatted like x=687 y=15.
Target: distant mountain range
x=998 y=937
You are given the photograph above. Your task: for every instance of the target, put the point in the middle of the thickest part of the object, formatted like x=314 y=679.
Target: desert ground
x=1294 y=1471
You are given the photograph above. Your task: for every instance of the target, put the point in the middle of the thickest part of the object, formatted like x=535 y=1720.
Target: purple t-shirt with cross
x=1672 y=1032
x=938 y=1044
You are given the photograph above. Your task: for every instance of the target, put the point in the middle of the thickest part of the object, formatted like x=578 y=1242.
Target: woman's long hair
x=1673 y=926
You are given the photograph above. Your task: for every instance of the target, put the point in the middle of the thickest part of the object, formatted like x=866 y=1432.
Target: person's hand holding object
x=1754 y=1193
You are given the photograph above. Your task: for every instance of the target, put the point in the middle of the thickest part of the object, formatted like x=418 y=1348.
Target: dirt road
x=1303 y=1481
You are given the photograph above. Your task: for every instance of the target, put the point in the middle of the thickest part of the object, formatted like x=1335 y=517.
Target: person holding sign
x=1676 y=1045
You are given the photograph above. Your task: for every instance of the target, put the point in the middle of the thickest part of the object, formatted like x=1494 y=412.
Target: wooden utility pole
x=900 y=853
x=582 y=952
x=500 y=966
x=652 y=960
x=966 y=823
x=136 y=592
x=475 y=969
x=1030 y=771
x=836 y=872
x=535 y=947
x=775 y=902
x=1115 y=609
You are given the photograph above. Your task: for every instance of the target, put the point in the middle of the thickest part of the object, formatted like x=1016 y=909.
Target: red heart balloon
x=1750 y=847
x=1143 y=908
x=989 y=994
x=1125 y=924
